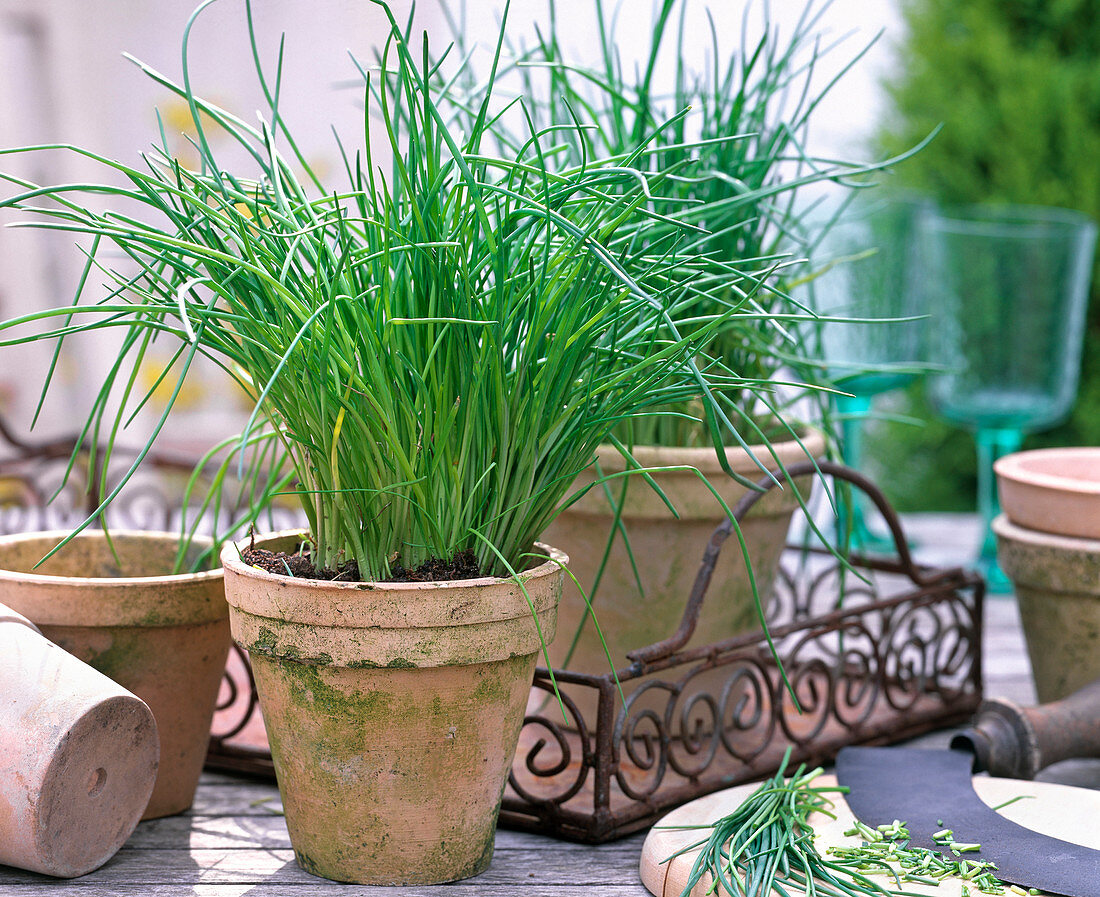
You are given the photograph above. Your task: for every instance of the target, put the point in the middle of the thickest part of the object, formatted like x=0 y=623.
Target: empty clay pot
x=78 y=757
x=1055 y=490
x=162 y=636
x=1057 y=584
x=393 y=711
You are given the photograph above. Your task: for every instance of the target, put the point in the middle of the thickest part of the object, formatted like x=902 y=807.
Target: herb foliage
x=440 y=349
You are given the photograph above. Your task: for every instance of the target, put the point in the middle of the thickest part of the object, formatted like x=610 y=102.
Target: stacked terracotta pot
x=1048 y=542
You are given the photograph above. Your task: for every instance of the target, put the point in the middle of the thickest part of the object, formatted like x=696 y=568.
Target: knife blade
x=932 y=789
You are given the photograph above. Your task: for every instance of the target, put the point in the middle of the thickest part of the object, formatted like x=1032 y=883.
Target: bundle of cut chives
x=766 y=846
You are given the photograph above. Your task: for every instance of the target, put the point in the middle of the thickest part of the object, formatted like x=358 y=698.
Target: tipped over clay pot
x=162 y=636
x=78 y=757
x=393 y=710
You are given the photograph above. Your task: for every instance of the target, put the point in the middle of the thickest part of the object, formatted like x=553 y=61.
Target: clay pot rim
x=1015 y=468
x=1006 y=529
x=810 y=444
x=231 y=560
x=7 y=615
x=418 y=624
x=55 y=536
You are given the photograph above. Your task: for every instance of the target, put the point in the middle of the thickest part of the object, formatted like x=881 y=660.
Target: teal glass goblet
x=871 y=326
x=1007 y=287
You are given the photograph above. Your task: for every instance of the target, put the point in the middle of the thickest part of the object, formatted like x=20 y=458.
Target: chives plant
x=438 y=349
x=735 y=132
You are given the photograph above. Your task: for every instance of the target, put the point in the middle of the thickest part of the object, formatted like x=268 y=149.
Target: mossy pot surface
x=1057 y=585
x=392 y=709
x=667 y=551
x=161 y=635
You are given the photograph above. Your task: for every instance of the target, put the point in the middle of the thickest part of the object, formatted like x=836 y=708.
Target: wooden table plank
x=255 y=865
x=189 y=854
x=230 y=832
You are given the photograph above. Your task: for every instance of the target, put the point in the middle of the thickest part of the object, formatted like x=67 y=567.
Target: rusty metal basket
x=899 y=656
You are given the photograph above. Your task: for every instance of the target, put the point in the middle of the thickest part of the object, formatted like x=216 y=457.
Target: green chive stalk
x=736 y=132
x=439 y=350
x=885 y=852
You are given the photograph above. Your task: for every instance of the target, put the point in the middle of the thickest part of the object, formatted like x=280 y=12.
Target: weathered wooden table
x=234 y=841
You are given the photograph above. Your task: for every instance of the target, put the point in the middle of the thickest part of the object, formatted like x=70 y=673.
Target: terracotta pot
x=164 y=637
x=393 y=711
x=1054 y=490
x=79 y=756
x=1057 y=584
x=668 y=550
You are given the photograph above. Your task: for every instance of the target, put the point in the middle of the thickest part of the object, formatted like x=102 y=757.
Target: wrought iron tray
x=900 y=656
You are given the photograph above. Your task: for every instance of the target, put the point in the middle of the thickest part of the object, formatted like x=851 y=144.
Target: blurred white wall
x=844 y=119
x=63 y=79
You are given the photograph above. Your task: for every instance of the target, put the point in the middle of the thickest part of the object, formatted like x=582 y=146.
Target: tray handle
x=666 y=647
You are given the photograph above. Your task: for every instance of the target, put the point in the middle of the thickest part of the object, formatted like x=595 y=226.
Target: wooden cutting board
x=1061 y=811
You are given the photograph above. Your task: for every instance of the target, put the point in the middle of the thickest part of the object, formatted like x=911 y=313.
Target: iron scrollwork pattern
x=891 y=667
x=873 y=649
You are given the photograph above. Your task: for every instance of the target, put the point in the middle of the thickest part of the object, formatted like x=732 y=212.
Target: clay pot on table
x=392 y=709
x=78 y=756
x=1057 y=584
x=1054 y=490
x=1048 y=543
x=668 y=551
x=160 y=635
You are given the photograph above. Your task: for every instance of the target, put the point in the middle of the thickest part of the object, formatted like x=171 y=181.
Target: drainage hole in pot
x=96 y=781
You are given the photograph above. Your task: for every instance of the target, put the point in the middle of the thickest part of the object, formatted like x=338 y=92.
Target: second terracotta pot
x=1057 y=584
x=668 y=550
x=1053 y=490
x=162 y=636
x=392 y=709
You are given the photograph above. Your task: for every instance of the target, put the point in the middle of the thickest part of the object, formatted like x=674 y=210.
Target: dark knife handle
x=1016 y=742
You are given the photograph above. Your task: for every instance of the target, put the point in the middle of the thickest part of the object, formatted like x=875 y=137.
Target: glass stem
x=992 y=444
x=853 y=410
